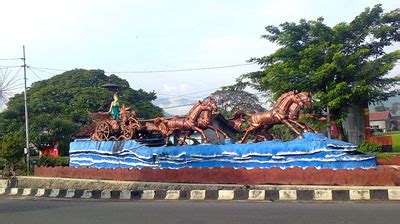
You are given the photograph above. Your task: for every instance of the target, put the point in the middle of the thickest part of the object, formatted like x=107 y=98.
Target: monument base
x=315 y=150
x=384 y=176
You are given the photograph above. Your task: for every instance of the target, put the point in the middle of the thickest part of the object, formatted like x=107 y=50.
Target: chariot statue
x=122 y=123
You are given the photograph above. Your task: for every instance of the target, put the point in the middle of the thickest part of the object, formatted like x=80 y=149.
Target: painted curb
x=220 y=195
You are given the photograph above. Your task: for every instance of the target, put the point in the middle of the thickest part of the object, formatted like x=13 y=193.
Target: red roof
x=379 y=116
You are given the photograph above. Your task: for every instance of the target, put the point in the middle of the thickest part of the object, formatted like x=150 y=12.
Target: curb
x=220 y=195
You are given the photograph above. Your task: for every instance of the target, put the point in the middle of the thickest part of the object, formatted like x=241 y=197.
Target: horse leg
x=266 y=129
x=250 y=129
x=201 y=132
x=220 y=131
x=257 y=134
x=309 y=129
x=287 y=123
x=216 y=132
x=304 y=126
x=178 y=139
x=168 y=136
x=300 y=124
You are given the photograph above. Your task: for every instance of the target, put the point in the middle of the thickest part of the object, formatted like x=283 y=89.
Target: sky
x=121 y=36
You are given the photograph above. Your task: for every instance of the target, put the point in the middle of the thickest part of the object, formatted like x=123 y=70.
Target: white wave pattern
x=314 y=150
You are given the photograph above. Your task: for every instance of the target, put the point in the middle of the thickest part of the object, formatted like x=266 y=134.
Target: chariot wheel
x=102 y=131
x=127 y=133
x=130 y=130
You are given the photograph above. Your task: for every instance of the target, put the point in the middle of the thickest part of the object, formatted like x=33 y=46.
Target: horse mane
x=195 y=106
x=278 y=101
x=282 y=101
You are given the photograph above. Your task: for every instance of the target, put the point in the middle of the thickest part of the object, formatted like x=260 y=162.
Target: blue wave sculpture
x=315 y=150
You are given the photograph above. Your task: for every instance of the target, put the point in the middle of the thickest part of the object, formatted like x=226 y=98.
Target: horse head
x=124 y=113
x=304 y=99
x=160 y=124
x=212 y=105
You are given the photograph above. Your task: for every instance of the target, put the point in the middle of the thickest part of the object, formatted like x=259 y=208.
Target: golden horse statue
x=285 y=111
x=204 y=122
x=189 y=124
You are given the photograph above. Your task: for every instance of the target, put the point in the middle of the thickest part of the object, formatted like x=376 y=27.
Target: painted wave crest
x=315 y=150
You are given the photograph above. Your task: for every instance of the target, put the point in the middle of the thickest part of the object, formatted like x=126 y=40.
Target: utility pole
x=26 y=116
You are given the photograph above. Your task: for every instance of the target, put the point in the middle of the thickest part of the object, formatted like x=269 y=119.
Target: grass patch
x=384 y=156
x=395 y=139
x=396 y=142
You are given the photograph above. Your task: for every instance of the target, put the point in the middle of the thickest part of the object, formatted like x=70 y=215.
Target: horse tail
x=161 y=125
x=238 y=119
x=240 y=114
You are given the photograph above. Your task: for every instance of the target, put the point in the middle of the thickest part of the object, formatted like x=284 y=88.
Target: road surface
x=42 y=211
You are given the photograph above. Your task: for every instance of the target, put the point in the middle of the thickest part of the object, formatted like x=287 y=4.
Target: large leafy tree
x=58 y=106
x=12 y=147
x=343 y=65
x=230 y=100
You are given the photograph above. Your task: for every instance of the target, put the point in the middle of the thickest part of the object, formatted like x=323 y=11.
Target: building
x=381 y=121
x=396 y=122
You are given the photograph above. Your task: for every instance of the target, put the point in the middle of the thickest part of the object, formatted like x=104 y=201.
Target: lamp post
x=26 y=116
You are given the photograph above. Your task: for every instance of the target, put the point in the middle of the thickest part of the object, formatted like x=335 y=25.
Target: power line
x=188 y=69
x=183 y=99
x=189 y=94
x=38 y=76
x=10 y=66
x=9 y=59
x=184 y=105
x=158 y=71
x=51 y=69
x=40 y=70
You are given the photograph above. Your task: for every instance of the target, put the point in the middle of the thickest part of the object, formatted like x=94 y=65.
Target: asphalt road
x=79 y=211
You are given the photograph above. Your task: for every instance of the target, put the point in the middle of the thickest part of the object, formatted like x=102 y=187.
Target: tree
x=58 y=106
x=381 y=107
x=394 y=108
x=12 y=147
x=231 y=100
x=343 y=65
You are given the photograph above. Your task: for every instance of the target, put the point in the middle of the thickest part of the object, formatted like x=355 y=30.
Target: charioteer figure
x=114 y=107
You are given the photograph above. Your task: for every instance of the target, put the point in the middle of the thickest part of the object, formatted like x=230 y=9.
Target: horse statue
x=204 y=122
x=198 y=119
x=285 y=111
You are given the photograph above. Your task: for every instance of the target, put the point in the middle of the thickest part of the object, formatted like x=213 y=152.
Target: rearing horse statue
x=280 y=114
x=188 y=124
x=204 y=122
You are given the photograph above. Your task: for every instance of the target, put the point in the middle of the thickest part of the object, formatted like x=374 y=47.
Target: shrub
x=370 y=147
x=12 y=148
x=50 y=161
x=282 y=132
x=3 y=163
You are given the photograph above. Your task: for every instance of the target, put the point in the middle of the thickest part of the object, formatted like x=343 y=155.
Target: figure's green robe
x=115 y=110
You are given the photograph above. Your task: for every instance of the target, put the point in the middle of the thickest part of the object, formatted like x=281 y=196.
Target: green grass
x=395 y=140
